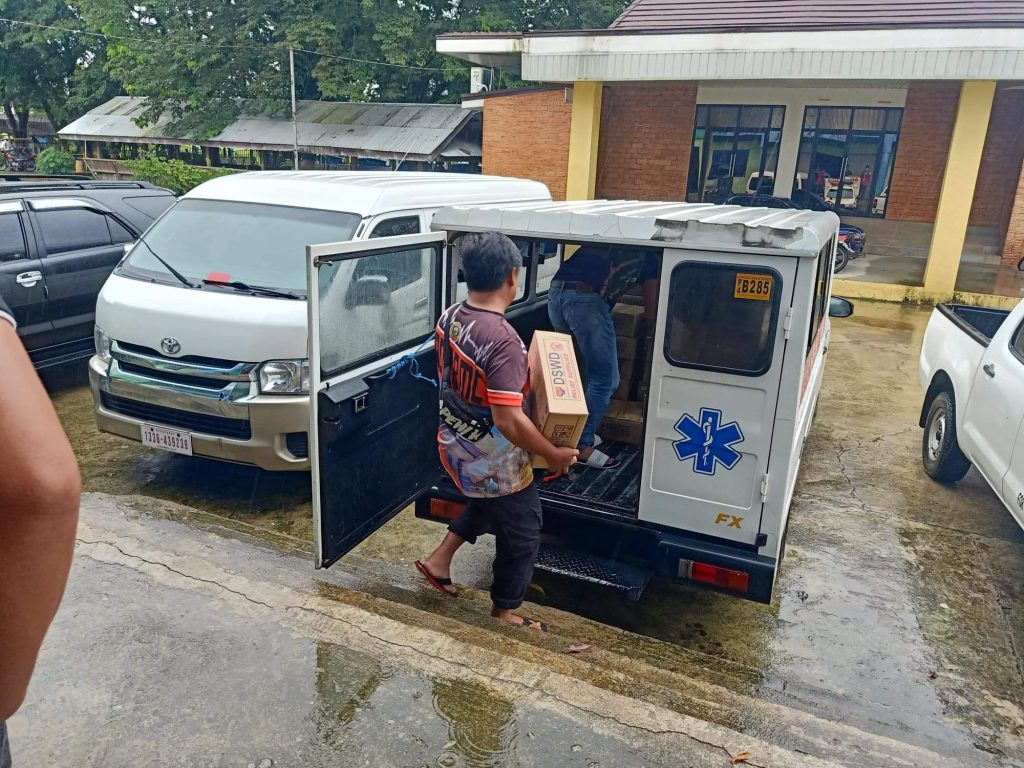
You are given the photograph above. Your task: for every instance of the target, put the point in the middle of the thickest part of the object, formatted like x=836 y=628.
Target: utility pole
x=295 y=120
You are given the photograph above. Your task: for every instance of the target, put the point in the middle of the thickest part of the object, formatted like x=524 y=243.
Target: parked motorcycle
x=18 y=159
x=843 y=255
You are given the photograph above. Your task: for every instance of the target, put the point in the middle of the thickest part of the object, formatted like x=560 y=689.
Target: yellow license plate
x=756 y=287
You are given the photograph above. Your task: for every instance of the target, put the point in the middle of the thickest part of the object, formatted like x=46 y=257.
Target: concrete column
x=584 y=138
x=958 y=183
x=789 y=148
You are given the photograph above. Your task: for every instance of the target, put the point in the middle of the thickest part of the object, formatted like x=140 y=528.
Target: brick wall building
x=646 y=134
x=647 y=131
x=526 y=134
x=928 y=120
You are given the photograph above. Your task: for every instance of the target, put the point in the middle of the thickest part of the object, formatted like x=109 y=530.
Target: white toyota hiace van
x=201 y=331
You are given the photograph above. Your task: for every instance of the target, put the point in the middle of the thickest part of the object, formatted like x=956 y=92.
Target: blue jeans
x=587 y=317
x=5 y=748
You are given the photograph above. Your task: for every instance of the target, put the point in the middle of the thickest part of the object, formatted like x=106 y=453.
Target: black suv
x=59 y=241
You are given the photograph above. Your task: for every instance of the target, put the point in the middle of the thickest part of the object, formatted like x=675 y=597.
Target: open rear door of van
x=717 y=364
x=372 y=310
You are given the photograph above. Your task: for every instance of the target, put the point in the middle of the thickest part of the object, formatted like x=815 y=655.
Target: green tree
x=205 y=62
x=43 y=68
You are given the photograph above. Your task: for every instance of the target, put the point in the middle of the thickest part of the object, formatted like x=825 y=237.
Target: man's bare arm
x=517 y=427
x=39 y=496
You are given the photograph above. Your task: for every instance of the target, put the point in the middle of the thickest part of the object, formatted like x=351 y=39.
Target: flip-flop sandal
x=600 y=460
x=437 y=583
x=534 y=624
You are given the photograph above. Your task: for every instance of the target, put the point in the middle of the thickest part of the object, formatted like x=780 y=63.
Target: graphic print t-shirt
x=489 y=367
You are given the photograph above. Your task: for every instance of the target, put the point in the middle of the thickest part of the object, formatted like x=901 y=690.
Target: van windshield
x=263 y=246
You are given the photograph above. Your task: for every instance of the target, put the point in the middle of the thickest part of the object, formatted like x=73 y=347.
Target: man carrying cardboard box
x=584 y=290
x=484 y=436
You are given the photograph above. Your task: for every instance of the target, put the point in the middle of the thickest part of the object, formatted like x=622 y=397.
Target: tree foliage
x=42 y=68
x=172 y=174
x=203 y=62
x=55 y=161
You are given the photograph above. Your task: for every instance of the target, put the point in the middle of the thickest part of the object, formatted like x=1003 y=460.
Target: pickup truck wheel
x=943 y=459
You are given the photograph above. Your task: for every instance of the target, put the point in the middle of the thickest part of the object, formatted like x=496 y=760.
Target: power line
x=210 y=44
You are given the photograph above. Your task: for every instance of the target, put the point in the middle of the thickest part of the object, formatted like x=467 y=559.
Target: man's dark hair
x=488 y=258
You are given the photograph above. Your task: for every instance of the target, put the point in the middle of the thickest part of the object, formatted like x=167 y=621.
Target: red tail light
x=446 y=510
x=726 y=578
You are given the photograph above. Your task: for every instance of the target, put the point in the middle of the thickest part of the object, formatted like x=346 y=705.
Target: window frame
x=410 y=217
x=438 y=258
x=527 y=274
x=24 y=240
x=819 y=306
x=1017 y=338
x=38 y=214
x=773 y=327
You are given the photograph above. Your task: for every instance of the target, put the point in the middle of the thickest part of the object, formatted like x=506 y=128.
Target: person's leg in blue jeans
x=587 y=317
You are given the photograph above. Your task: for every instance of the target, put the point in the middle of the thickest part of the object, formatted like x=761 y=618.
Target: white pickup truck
x=972 y=370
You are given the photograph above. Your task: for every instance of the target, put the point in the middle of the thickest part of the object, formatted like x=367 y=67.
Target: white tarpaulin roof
x=386 y=131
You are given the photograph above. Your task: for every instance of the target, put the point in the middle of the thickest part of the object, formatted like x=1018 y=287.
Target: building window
x=735 y=151
x=846 y=159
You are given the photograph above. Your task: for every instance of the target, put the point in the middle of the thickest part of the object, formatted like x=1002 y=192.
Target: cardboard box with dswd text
x=558 y=405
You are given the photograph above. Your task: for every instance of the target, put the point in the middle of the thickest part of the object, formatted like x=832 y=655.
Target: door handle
x=29 y=279
x=990 y=370
x=421 y=302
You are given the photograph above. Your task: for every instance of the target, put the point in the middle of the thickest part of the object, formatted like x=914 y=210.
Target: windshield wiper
x=238 y=285
x=181 y=278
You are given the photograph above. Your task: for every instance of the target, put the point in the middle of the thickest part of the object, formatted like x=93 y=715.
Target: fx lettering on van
x=738 y=351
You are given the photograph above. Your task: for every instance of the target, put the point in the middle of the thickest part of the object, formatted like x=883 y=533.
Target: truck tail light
x=446 y=510
x=725 y=578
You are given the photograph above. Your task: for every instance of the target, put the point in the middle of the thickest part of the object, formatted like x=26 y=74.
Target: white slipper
x=597 y=440
x=600 y=460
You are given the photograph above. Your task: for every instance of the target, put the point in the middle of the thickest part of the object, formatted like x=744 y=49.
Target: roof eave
x=948 y=53
x=496 y=51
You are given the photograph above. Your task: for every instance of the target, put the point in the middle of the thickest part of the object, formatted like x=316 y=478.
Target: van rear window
x=722 y=317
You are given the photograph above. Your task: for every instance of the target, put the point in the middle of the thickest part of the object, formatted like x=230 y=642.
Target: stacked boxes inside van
x=623 y=422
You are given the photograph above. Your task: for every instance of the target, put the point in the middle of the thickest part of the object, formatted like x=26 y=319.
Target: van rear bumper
x=269 y=433
x=675 y=553
x=668 y=553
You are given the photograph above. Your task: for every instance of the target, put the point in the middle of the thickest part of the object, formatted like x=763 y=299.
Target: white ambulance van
x=739 y=349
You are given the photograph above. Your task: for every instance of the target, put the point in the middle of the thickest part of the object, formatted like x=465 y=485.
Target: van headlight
x=102 y=345
x=284 y=377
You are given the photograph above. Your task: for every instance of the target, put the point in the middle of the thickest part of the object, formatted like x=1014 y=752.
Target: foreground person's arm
x=517 y=427
x=39 y=497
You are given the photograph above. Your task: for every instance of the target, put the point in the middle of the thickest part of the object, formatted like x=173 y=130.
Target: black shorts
x=515 y=521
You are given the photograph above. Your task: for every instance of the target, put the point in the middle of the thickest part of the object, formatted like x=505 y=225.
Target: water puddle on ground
x=367 y=715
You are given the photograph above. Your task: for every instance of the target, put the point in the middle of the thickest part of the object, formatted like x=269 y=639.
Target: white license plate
x=167 y=439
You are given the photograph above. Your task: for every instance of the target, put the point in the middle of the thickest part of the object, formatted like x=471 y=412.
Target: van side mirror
x=838 y=307
x=369 y=291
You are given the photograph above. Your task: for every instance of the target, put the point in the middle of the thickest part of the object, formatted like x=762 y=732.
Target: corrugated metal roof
x=687 y=225
x=764 y=15
x=411 y=131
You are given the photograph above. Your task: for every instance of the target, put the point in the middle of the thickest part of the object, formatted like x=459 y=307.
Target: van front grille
x=218 y=426
x=172 y=378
